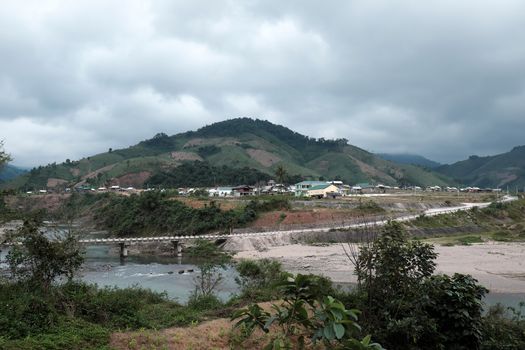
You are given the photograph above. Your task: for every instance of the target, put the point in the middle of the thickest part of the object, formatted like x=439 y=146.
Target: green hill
x=9 y=172
x=240 y=143
x=407 y=158
x=506 y=169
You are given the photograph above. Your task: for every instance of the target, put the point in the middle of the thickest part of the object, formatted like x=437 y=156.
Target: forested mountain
x=506 y=169
x=406 y=158
x=254 y=146
x=9 y=172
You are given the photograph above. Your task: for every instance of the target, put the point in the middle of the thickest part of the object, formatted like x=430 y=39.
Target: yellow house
x=323 y=191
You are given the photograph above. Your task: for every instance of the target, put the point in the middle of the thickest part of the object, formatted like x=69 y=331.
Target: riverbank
x=498 y=266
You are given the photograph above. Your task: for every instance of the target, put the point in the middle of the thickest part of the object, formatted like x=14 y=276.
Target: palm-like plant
x=280 y=173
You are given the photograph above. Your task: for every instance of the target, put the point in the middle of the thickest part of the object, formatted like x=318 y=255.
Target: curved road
x=429 y=212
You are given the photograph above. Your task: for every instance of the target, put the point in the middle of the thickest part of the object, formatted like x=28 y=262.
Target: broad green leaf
x=339 y=330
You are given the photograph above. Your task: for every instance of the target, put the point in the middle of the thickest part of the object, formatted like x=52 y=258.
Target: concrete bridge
x=179 y=240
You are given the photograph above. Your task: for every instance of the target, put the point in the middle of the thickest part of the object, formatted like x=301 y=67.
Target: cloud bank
x=444 y=79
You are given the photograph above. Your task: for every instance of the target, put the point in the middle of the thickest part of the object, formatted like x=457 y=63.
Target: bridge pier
x=177 y=247
x=123 y=250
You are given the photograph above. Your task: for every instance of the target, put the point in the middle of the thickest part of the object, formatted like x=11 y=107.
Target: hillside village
x=305 y=189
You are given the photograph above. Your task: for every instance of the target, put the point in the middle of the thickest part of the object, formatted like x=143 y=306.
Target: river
x=176 y=276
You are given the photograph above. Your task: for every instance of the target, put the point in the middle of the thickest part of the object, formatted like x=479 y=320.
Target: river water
x=176 y=276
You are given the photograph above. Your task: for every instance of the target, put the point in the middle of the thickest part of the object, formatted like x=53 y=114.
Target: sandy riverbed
x=498 y=266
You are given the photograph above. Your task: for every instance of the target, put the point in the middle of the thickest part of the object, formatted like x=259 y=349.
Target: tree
x=39 y=260
x=393 y=264
x=280 y=173
x=210 y=260
x=405 y=306
x=4 y=157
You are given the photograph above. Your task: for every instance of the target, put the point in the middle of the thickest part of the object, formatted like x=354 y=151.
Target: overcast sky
x=445 y=79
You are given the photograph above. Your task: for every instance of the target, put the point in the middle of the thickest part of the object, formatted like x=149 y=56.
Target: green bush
x=453 y=307
x=25 y=311
x=258 y=279
x=306 y=313
x=69 y=334
x=369 y=207
x=468 y=240
x=81 y=316
x=204 y=302
x=502 y=236
x=503 y=329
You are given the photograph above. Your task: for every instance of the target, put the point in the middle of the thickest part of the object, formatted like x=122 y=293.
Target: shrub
x=502 y=236
x=503 y=329
x=204 y=302
x=258 y=279
x=468 y=240
x=369 y=207
x=305 y=315
x=454 y=305
x=406 y=307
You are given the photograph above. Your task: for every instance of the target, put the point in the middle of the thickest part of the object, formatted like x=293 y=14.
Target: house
x=345 y=190
x=301 y=188
x=221 y=192
x=243 y=190
x=363 y=187
x=279 y=188
x=324 y=191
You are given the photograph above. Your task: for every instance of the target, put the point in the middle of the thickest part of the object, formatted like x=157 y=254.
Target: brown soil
x=185 y=156
x=303 y=217
x=207 y=335
x=133 y=179
x=199 y=203
x=367 y=169
x=215 y=334
x=74 y=171
x=98 y=171
x=265 y=158
x=52 y=182
x=50 y=202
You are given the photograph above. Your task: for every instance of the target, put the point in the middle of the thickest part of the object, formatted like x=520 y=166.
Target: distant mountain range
x=257 y=146
x=407 y=158
x=502 y=170
x=9 y=172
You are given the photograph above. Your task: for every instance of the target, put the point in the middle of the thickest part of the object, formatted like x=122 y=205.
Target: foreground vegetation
x=399 y=303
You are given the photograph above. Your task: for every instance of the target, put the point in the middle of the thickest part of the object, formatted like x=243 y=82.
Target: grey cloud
x=445 y=79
